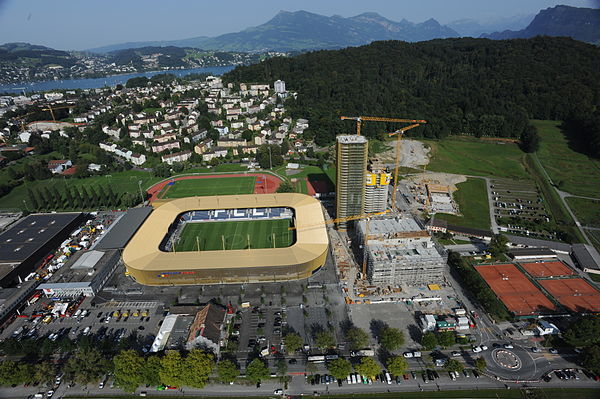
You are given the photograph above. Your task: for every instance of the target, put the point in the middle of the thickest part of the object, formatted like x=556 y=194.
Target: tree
x=429 y=340
x=151 y=371
x=197 y=367
x=257 y=371
x=480 y=364
x=227 y=371
x=397 y=365
x=591 y=359
x=293 y=342
x=324 y=340
x=172 y=369
x=286 y=187
x=583 y=332
x=368 y=367
x=530 y=139
x=357 y=338
x=497 y=245
x=454 y=365
x=446 y=338
x=13 y=373
x=391 y=338
x=43 y=372
x=128 y=370
x=86 y=366
x=339 y=368
x=282 y=368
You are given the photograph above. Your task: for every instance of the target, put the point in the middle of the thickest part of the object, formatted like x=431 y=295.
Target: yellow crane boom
x=359 y=120
x=341 y=220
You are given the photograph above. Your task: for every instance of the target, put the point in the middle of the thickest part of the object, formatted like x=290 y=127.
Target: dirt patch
x=414 y=154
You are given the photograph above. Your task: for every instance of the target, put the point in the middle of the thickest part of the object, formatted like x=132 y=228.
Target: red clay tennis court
x=576 y=294
x=515 y=290
x=548 y=269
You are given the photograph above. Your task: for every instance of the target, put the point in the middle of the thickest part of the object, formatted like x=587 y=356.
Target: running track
x=269 y=183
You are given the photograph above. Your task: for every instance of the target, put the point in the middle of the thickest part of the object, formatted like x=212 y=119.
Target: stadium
x=229 y=239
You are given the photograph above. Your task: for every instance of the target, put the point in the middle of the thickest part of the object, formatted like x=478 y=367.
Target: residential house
x=176 y=157
x=59 y=166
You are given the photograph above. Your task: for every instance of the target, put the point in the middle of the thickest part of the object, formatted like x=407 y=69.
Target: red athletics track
x=265 y=183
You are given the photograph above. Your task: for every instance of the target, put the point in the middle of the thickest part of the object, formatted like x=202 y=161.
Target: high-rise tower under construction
x=351 y=157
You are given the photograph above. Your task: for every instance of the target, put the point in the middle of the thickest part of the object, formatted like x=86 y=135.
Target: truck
x=363 y=352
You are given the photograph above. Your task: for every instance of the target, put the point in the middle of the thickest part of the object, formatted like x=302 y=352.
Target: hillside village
x=200 y=121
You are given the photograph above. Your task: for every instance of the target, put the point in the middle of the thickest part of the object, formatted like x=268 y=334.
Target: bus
x=316 y=359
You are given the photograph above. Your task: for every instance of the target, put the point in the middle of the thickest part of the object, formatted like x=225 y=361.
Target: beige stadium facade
x=149 y=265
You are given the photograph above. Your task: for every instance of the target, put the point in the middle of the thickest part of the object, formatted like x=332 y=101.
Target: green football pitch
x=209 y=186
x=253 y=234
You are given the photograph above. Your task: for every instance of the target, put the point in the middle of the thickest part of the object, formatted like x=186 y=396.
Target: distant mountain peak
x=578 y=23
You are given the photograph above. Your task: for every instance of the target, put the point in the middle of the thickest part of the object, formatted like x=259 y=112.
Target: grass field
x=209 y=186
x=120 y=182
x=571 y=171
x=587 y=211
x=594 y=236
x=477 y=158
x=212 y=235
x=472 y=201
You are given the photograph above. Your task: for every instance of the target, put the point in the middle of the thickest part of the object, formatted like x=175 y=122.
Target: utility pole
x=140 y=187
x=270 y=159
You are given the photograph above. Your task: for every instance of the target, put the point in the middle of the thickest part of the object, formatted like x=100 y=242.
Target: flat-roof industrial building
x=26 y=242
x=85 y=274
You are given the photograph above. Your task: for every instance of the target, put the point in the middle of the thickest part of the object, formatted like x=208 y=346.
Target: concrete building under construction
x=377 y=187
x=399 y=251
x=351 y=157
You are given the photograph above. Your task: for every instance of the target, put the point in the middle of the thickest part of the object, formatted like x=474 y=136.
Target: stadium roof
x=143 y=253
x=31 y=233
x=119 y=234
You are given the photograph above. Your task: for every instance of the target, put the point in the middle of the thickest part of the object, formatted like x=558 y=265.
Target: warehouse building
x=26 y=242
x=86 y=274
x=399 y=251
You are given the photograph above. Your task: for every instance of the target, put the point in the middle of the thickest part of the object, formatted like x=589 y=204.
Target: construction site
x=384 y=253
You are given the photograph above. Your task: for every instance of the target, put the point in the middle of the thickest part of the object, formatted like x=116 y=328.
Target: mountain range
x=302 y=30
x=582 y=24
x=287 y=31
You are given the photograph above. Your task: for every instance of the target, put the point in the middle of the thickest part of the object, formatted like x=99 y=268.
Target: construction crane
x=399 y=133
x=360 y=119
x=341 y=220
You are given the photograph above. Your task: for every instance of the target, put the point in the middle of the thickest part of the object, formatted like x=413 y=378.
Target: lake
x=96 y=83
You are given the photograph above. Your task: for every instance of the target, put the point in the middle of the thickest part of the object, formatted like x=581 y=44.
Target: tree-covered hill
x=461 y=86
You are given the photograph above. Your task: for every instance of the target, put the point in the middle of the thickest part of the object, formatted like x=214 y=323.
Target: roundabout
x=506 y=359
x=510 y=364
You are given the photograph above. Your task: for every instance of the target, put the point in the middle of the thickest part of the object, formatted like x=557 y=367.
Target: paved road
x=493 y=224
x=299 y=386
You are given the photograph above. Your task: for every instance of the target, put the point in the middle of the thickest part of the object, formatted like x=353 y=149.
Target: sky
x=84 y=24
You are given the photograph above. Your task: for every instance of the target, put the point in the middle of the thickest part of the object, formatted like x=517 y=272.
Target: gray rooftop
x=587 y=256
x=534 y=242
x=531 y=252
x=351 y=139
x=119 y=234
x=31 y=233
x=390 y=225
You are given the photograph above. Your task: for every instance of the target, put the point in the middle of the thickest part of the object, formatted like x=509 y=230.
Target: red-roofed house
x=59 y=165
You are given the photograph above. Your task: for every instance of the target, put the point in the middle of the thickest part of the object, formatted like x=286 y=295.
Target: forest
x=461 y=86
